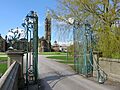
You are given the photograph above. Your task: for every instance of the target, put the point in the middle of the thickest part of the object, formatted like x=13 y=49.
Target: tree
x=101 y=14
x=71 y=50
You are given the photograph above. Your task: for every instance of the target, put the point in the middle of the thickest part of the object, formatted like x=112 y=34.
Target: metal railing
x=9 y=81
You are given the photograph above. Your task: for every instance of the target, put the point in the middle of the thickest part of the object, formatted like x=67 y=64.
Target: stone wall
x=111 y=67
x=10 y=79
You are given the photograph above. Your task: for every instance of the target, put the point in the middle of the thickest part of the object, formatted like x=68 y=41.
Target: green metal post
x=67 y=56
x=91 y=53
x=85 y=56
x=35 y=46
x=98 y=73
x=74 y=28
x=27 y=55
x=32 y=16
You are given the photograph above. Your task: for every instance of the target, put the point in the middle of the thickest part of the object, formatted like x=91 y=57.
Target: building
x=3 y=44
x=63 y=48
x=45 y=42
x=59 y=48
x=56 y=47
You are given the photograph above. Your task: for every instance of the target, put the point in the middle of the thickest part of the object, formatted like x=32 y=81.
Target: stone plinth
x=16 y=55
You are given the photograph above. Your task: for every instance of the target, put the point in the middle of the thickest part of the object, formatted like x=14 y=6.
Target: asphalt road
x=57 y=76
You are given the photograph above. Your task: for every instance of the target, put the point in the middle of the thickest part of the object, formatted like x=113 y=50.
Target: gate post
x=35 y=46
x=17 y=55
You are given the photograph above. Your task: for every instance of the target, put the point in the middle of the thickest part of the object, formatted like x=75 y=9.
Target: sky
x=12 y=13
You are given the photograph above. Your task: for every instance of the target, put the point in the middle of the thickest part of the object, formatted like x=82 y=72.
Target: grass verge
x=63 y=59
x=2 y=53
x=3 y=68
x=52 y=53
x=3 y=58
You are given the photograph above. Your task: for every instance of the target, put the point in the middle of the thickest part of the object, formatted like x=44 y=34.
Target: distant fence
x=111 y=67
x=9 y=81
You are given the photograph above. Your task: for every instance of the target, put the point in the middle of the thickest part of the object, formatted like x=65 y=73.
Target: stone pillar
x=17 y=55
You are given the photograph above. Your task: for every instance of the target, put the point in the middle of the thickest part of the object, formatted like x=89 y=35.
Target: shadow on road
x=49 y=82
x=44 y=85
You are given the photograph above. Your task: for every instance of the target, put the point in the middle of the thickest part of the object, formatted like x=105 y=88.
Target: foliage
x=109 y=43
x=71 y=50
x=101 y=14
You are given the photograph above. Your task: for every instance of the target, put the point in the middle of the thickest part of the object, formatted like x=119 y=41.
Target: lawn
x=3 y=58
x=60 y=57
x=3 y=68
x=52 y=53
x=63 y=59
x=2 y=54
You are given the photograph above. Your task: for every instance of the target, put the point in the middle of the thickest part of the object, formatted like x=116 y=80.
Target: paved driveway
x=57 y=76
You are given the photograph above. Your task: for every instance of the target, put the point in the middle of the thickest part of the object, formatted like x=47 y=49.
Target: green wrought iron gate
x=83 y=57
x=83 y=52
x=31 y=26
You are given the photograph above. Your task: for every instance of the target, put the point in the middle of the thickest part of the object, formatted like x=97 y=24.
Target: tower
x=48 y=30
x=48 y=26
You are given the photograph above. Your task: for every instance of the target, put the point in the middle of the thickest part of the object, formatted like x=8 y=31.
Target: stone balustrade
x=13 y=78
x=9 y=81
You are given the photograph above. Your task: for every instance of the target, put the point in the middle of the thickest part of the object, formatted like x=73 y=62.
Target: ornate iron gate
x=83 y=52
x=31 y=26
x=83 y=58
